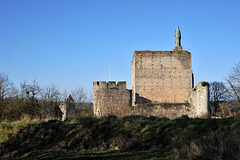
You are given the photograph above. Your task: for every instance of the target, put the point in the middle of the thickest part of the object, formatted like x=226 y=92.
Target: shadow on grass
x=80 y=137
x=116 y=155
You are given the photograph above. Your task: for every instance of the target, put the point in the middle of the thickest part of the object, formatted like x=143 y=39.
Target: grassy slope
x=131 y=137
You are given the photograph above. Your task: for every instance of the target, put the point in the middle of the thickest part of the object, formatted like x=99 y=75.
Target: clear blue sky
x=73 y=42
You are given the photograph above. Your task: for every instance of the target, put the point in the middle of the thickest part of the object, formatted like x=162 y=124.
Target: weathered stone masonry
x=66 y=106
x=111 y=98
x=161 y=77
x=162 y=85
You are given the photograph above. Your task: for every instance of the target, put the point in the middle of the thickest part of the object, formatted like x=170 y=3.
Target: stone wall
x=111 y=98
x=164 y=110
x=198 y=106
x=162 y=85
x=200 y=99
x=161 y=77
x=66 y=107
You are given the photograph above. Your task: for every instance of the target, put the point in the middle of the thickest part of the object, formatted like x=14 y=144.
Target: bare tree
x=81 y=106
x=79 y=95
x=22 y=104
x=5 y=86
x=49 y=102
x=50 y=93
x=30 y=94
x=5 y=89
x=218 y=93
x=22 y=93
x=30 y=90
x=64 y=95
x=233 y=83
x=90 y=99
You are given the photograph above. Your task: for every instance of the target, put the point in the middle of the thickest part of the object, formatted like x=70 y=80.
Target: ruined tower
x=66 y=106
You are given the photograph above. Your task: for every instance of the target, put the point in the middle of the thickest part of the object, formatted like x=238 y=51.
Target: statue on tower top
x=177 y=34
x=177 y=37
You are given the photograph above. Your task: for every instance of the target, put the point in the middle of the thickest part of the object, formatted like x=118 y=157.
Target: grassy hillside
x=132 y=137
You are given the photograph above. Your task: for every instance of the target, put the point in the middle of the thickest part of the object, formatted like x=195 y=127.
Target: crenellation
x=158 y=78
x=122 y=85
x=111 y=98
x=112 y=85
x=100 y=83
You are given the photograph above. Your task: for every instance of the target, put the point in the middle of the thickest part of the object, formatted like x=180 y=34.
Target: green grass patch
x=10 y=129
x=132 y=137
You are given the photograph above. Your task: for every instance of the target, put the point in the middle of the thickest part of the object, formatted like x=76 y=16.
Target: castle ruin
x=66 y=106
x=162 y=85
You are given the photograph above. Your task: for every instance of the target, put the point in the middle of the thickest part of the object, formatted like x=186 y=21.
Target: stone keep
x=158 y=78
x=161 y=77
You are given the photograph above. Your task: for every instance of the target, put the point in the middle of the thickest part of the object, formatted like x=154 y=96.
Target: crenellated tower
x=159 y=79
x=111 y=98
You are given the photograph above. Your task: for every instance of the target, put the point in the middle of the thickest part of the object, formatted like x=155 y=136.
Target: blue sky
x=73 y=42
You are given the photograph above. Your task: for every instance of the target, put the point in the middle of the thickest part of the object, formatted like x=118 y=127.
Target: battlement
x=111 y=98
x=110 y=85
x=158 y=78
x=99 y=83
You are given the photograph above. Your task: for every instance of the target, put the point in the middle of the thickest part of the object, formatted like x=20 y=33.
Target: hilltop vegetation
x=31 y=101
x=133 y=137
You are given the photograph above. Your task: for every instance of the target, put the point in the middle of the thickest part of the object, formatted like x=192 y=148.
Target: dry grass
x=182 y=137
